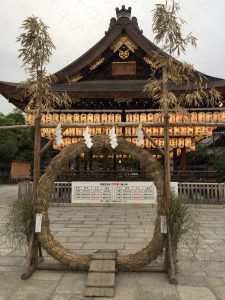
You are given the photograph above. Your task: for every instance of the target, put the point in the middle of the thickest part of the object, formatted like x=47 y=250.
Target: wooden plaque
x=124 y=68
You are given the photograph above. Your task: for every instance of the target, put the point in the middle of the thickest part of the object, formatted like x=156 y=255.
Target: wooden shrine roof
x=77 y=78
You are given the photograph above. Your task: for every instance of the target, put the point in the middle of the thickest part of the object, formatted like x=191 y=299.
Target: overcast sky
x=76 y=25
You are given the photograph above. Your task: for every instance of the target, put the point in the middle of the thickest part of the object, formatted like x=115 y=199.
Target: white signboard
x=137 y=192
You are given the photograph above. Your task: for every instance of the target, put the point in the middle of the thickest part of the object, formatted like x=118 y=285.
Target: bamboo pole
x=15 y=127
x=36 y=177
x=169 y=262
x=37 y=158
x=166 y=140
x=35 y=247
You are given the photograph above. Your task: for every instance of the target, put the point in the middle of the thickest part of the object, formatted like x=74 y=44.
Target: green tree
x=18 y=144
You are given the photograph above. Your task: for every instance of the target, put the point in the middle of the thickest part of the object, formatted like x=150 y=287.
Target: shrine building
x=106 y=85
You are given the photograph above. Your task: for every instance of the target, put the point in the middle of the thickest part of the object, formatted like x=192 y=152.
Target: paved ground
x=127 y=229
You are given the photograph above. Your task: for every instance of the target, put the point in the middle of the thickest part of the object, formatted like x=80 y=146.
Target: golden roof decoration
x=123 y=40
x=124 y=54
x=97 y=63
x=74 y=78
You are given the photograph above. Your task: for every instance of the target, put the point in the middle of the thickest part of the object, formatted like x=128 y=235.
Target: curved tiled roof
x=124 y=24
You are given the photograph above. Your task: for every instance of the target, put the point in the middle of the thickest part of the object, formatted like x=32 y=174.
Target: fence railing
x=202 y=193
x=195 y=193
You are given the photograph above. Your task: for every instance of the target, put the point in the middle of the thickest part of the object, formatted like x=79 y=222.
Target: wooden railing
x=195 y=193
x=199 y=193
x=194 y=176
x=62 y=192
x=134 y=175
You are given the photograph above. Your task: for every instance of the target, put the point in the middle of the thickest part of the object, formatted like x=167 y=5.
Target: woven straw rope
x=45 y=186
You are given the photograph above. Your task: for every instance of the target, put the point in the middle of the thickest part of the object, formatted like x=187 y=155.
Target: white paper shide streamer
x=140 y=136
x=87 y=138
x=113 y=138
x=58 y=134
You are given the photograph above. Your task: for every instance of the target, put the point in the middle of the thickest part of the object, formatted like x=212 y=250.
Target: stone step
x=103 y=256
x=101 y=276
x=100 y=280
x=99 y=292
x=107 y=266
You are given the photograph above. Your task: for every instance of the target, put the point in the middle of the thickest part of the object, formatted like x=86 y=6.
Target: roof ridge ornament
x=123 y=12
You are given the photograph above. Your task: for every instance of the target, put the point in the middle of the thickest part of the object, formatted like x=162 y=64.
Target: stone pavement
x=126 y=228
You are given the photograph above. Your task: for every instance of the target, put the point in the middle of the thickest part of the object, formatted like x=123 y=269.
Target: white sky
x=76 y=25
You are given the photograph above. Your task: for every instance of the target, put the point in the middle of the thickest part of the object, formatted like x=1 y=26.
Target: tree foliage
x=35 y=52
x=15 y=145
x=18 y=144
x=194 y=91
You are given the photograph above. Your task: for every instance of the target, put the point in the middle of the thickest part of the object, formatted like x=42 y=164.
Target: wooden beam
x=61 y=267
x=103 y=110
x=116 y=124
x=132 y=124
x=15 y=127
x=49 y=144
x=105 y=124
x=46 y=146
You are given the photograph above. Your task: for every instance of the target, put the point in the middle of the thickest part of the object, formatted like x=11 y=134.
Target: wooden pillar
x=34 y=246
x=174 y=158
x=85 y=161
x=166 y=140
x=114 y=162
x=77 y=162
x=169 y=258
x=183 y=160
x=123 y=119
x=167 y=160
x=37 y=157
x=105 y=159
x=90 y=160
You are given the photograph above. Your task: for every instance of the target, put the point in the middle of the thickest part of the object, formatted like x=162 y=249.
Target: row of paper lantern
x=131 y=118
x=73 y=132
x=76 y=118
x=178 y=118
x=175 y=131
x=174 y=142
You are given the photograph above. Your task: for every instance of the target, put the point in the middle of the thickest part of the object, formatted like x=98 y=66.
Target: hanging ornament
x=113 y=138
x=140 y=135
x=87 y=138
x=58 y=135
